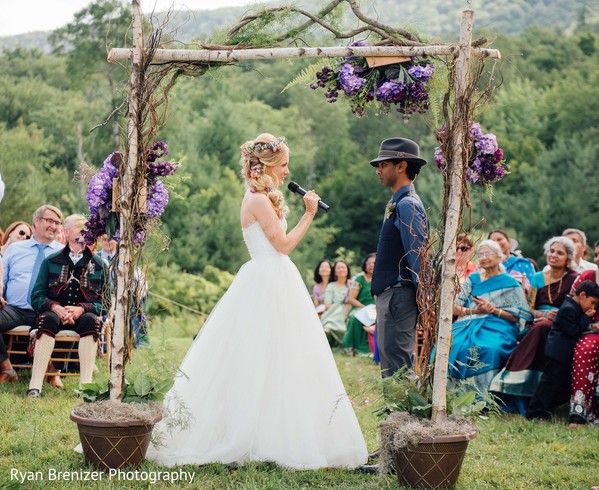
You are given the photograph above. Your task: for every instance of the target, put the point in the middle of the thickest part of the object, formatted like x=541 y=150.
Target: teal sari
x=481 y=344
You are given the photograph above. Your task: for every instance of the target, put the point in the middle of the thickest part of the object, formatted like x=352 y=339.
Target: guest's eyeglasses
x=464 y=248
x=51 y=221
x=24 y=233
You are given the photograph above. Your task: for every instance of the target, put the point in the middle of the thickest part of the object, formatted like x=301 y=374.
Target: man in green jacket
x=68 y=295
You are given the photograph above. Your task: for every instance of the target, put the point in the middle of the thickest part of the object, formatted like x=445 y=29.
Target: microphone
x=295 y=187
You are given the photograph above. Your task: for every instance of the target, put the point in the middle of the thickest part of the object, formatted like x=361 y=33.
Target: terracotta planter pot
x=111 y=444
x=434 y=463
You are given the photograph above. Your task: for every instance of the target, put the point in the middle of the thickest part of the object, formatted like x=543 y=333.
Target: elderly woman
x=490 y=305
x=519 y=380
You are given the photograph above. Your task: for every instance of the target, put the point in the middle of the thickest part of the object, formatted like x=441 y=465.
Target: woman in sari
x=356 y=339
x=584 y=401
x=490 y=305
x=519 y=380
x=518 y=267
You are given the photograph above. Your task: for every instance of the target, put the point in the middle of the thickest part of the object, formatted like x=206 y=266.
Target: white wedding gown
x=260 y=381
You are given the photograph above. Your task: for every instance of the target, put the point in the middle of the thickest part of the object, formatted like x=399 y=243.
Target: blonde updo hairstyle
x=258 y=158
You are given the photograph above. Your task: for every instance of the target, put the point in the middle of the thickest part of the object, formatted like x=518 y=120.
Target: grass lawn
x=36 y=435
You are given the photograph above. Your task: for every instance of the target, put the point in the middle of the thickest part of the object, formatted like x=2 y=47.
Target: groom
x=402 y=242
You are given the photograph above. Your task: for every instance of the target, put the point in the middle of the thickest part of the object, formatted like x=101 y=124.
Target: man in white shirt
x=580 y=240
x=21 y=262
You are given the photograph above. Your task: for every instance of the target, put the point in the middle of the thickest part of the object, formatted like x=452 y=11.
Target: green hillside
x=437 y=19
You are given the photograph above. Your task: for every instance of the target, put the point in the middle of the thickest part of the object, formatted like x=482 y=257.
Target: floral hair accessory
x=256 y=170
x=248 y=148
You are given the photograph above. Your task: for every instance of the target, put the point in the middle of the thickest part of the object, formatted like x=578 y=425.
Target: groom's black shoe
x=369 y=468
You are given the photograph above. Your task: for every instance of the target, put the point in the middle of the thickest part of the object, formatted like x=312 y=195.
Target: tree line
x=544 y=115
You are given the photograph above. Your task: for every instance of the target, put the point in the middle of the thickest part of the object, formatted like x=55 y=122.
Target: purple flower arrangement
x=402 y=85
x=486 y=164
x=103 y=219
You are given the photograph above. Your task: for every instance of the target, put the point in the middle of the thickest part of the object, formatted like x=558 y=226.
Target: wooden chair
x=19 y=337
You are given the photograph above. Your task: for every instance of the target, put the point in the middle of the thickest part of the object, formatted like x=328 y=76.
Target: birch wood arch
x=153 y=67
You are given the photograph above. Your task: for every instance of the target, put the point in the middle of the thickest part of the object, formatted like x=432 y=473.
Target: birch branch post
x=126 y=201
x=454 y=209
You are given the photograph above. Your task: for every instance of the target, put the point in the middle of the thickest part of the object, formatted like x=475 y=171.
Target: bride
x=259 y=381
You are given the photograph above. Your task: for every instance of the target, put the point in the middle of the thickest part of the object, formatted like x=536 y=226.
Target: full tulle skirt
x=260 y=383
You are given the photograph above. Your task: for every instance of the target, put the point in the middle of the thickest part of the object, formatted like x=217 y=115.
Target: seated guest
x=518 y=267
x=549 y=288
x=596 y=258
x=336 y=305
x=572 y=320
x=356 y=339
x=21 y=263
x=17 y=231
x=463 y=265
x=322 y=275
x=580 y=242
x=68 y=295
x=584 y=397
x=490 y=305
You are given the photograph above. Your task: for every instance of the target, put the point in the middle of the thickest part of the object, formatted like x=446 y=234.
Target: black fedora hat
x=401 y=149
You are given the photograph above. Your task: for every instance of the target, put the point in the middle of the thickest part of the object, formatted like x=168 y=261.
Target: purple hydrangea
x=99 y=194
x=422 y=73
x=350 y=83
x=487 y=144
x=111 y=164
x=99 y=190
x=389 y=91
x=157 y=199
x=486 y=165
x=475 y=131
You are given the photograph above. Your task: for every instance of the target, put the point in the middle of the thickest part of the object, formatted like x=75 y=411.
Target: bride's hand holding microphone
x=311 y=201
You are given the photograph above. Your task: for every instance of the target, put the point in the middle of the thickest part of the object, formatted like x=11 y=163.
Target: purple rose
x=498 y=155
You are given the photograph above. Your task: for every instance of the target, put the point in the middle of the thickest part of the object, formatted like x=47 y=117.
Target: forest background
x=56 y=86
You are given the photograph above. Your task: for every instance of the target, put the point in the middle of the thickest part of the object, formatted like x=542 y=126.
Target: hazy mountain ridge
x=434 y=19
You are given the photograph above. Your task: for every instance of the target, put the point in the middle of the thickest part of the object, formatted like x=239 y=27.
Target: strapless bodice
x=257 y=242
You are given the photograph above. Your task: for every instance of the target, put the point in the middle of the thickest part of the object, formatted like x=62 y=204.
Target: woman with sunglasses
x=464 y=252
x=19 y=230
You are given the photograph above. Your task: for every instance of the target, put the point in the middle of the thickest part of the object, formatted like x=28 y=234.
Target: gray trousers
x=396 y=317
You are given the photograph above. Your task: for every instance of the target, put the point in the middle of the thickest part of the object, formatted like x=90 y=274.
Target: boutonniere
x=389 y=210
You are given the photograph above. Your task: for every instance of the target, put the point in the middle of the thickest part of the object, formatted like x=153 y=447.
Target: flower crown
x=248 y=148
